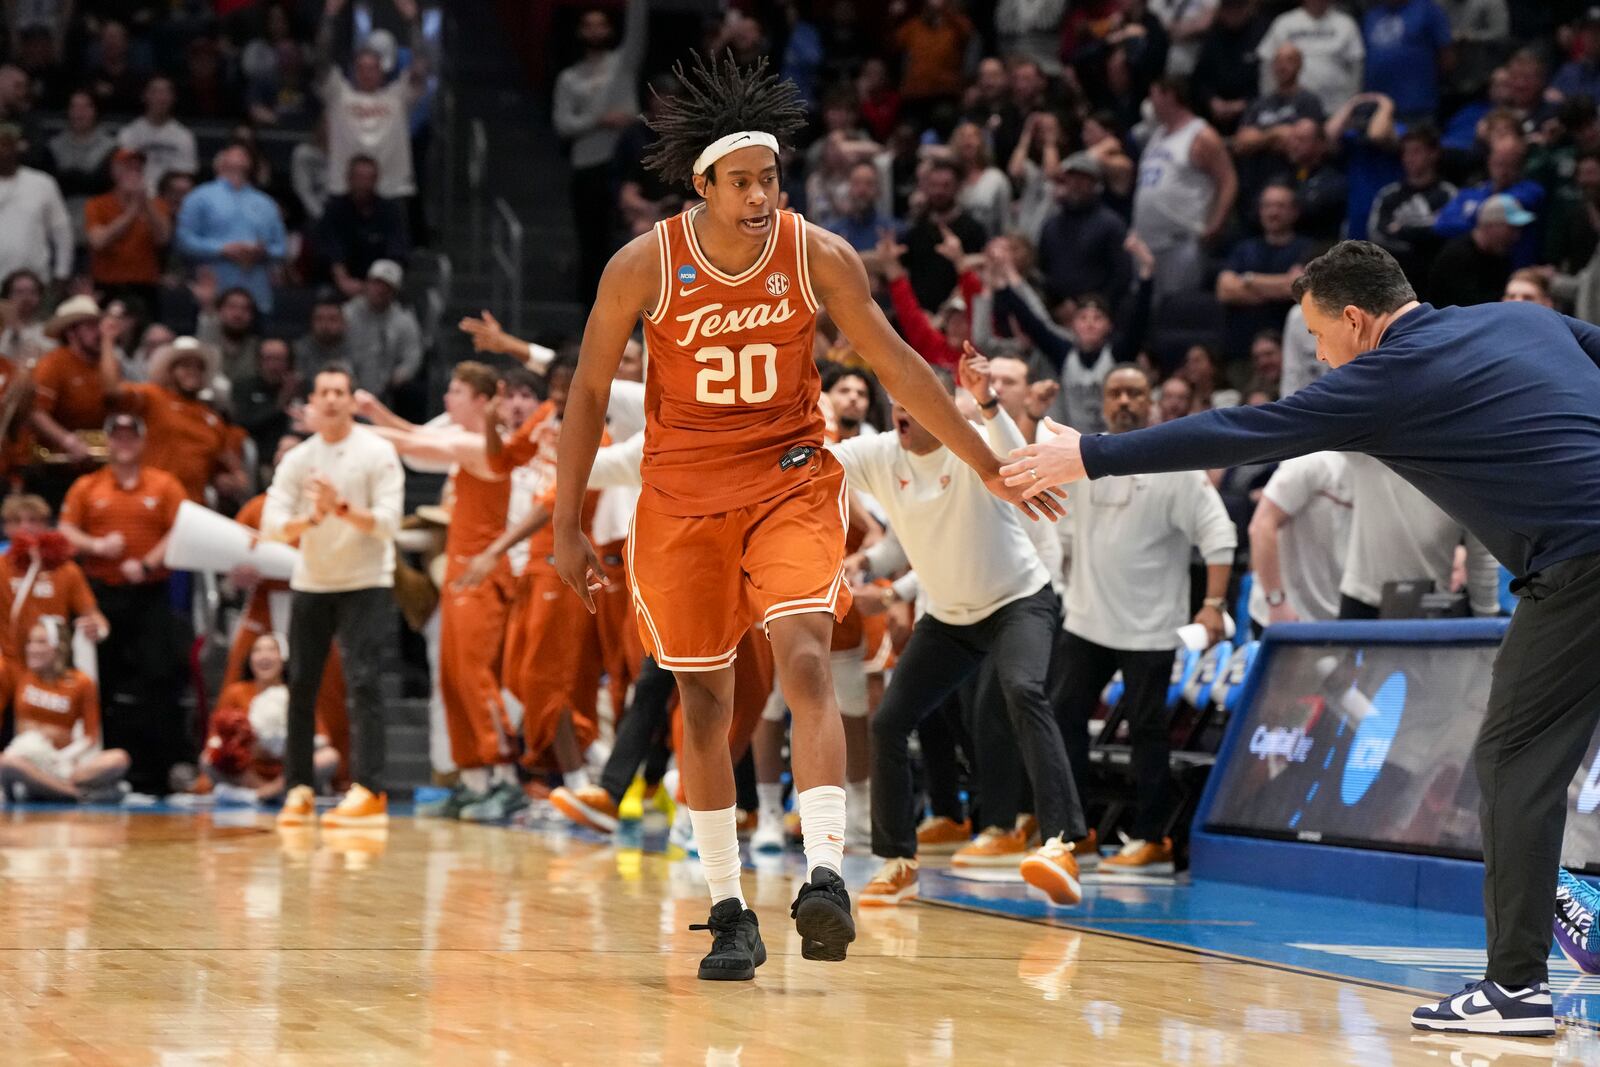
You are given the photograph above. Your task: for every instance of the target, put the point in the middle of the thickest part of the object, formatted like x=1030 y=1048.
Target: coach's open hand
x=578 y=566
x=1038 y=468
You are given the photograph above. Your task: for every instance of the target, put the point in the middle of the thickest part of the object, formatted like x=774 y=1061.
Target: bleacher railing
x=505 y=262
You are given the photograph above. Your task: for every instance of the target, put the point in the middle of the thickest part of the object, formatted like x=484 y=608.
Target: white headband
x=732 y=143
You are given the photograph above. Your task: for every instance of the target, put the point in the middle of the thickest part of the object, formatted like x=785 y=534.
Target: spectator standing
x=118 y=519
x=1226 y=76
x=283 y=97
x=1080 y=247
x=861 y=223
x=327 y=341
x=595 y=100
x=168 y=145
x=933 y=274
x=360 y=227
x=1033 y=168
x=365 y=116
x=932 y=46
x=1031 y=28
x=643 y=196
x=1127 y=595
x=128 y=231
x=340 y=494
x=385 y=342
x=1297 y=541
x=261 y=400
x=1507 y=156
x=68 y=396
x=234 y=229
x=1404 y=212
x=1473 y=268
x=1331 y=44
x=80 y=155
x=22 y=336
x=1262 y=141
x=35 y=232
x=1254 y=287
x=230 y=323
x=1186 y=22
x=1408 y=45
x=1186 y=190
x=115 y=80
x=985 y=190
x=1580 y=75
x=1082 y=364
x=183 y=436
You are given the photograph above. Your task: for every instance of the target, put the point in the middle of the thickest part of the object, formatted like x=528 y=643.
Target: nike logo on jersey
x=691 y=292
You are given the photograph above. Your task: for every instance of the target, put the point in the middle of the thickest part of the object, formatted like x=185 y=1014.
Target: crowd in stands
x=200 y=206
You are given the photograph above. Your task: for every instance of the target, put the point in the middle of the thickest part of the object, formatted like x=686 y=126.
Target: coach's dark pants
x=937 y=659
x=646 y=726
x=1544 y=703
x=1082 y=670
x=360 y=620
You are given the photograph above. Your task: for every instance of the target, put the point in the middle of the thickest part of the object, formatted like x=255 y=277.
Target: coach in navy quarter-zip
x=1492 y=411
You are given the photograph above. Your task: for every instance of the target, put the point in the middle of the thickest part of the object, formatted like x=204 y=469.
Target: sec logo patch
x=686 y=274
x=777 y=283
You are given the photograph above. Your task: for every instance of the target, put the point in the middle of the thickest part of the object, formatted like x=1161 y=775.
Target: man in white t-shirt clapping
x=339 y=493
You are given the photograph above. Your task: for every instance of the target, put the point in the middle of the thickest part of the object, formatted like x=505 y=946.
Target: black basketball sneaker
x=822 y=915
x=736 y=948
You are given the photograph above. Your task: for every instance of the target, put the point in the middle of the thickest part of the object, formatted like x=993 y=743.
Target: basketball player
x=743 y=513
x=471 y=620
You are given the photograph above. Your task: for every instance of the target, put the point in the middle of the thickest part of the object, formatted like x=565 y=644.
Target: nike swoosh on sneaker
x=1477 y=1004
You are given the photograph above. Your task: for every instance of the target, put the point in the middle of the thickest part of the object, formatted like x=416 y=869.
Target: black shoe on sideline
x=736 y=948
x=822 y=916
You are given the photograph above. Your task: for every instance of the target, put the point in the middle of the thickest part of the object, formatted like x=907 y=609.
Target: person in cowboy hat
x=68 y=394
x=183 y=436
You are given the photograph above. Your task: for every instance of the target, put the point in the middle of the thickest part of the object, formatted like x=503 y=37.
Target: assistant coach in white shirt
x=340 y=492
x=988 y=596
x=1127 y=595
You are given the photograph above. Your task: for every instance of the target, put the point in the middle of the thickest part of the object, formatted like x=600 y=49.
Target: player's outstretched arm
x=629 y=287
x=840 y=282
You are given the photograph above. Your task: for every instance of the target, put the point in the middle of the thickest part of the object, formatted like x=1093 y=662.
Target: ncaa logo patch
x=777 y=283
x=686 y=274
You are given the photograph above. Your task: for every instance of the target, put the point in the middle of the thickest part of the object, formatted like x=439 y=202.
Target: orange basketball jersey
x=732 y=384
x=479 y=513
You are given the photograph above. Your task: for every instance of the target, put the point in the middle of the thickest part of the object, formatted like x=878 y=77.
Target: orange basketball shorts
x=700 y=582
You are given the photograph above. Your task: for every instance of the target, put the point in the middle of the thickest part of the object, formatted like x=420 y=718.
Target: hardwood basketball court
x=140 y=938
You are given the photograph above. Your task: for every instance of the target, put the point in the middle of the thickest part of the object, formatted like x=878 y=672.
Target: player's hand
x=1036 y=469
x=950 y=247
x=1211 y=619
x=869 y=598
x=579 y=566
x=972 y=373
x=478 y=569
x=367 y=405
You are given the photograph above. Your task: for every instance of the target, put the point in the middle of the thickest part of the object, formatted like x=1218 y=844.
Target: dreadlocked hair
x=718 y=97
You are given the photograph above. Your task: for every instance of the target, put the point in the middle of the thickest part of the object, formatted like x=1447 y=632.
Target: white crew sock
x=505 y=772
x=575 y=780
x=770 y=795
x=716 y=835
x=476 y=779
x=822 y=822
x=858 y=803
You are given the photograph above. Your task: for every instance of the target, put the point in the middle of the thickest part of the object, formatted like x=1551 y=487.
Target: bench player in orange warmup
x=743 y=514
x=472 y=620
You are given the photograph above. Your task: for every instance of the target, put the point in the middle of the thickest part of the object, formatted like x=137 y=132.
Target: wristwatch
x=1215 y=602
x=889 y=596
x=993 y=403
x=1276 y=598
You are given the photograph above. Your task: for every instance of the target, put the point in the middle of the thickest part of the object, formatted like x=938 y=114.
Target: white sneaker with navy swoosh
x=1489 y=1008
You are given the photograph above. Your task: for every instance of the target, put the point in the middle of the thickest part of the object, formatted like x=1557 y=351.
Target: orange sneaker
x=1086 y=850
x=1142 y=857
x=895 y=881
x=939 y=836
x=590 y=806
x=1053 y=868
x=299 y=807
x=998 y=847
x=360 y=809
